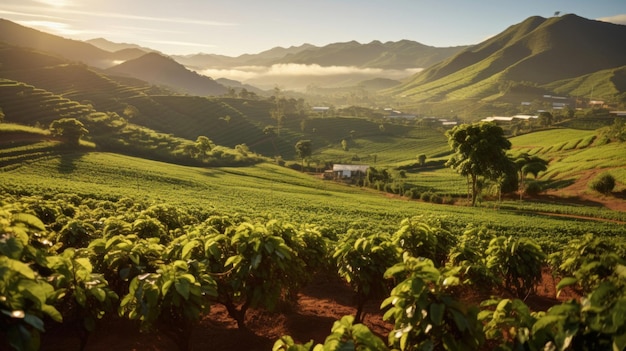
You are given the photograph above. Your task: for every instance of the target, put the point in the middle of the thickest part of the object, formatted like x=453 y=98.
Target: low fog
x=298 y=76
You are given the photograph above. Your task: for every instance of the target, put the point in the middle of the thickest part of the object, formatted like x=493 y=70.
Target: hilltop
x=524 y=62
x=161 y=70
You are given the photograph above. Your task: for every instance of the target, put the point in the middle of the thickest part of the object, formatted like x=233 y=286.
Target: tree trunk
x=474 y=190
x=239 y=315
x=521 y=181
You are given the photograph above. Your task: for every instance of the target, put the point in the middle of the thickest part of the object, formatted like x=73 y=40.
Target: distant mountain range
x=104 y=54
x=567 y=55
x=538 y=55
x=390 y=55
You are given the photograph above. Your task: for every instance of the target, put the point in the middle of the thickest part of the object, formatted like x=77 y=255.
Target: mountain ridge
x=163 y=70
x=538 y=51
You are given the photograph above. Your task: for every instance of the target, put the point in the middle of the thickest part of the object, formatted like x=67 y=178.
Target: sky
x=235 y=27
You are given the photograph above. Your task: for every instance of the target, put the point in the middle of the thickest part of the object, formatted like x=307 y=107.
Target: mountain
x=114 y=47
x=264 y=58
x=390 y=55
x=162 y=70
x=531 y=54
x=75 y=50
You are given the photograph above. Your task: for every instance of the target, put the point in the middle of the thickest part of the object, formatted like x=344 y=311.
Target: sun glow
x=55 y=3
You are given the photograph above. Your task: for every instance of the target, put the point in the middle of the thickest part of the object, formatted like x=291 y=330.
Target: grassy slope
x=572 y=152
x=265 y=189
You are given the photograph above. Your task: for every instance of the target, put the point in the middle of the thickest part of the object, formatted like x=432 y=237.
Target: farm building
x=341 y=171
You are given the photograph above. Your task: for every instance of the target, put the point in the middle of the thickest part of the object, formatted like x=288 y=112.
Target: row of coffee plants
x=67 y=260
x=72 y=260
x=428 y=313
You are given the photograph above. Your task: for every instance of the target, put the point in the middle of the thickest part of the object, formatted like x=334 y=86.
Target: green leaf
x=85 y=263
x=395 y=269
x=29 y=220
x=460 y=320
x=619 y=342
x=232 y=260
x=52 y=312
x=98 y=293
x=80 y=296
x=166 y=286
x=189 y=277
x=256 y=260
x=545 y=322
x=182 y=286
x=12 y=247
x=34 y=321
x=436 y=312
x=567 y=281
x=185 y=255
x=21 y=268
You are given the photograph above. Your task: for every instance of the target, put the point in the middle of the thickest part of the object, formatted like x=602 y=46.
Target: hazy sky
x=234 y=27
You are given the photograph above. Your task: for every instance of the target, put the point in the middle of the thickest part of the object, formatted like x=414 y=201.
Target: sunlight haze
x=248 y=26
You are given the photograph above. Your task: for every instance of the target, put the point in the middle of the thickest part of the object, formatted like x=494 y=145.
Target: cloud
x=617 y=19
x=55 y=3
x=178 y=20
x=52 y=27
x=293 y=70
x=67 y=7
x=26 y=14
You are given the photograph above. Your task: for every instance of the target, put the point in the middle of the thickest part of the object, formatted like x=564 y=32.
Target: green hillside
x=523 y=63
x=262 y=190
x=572 y=153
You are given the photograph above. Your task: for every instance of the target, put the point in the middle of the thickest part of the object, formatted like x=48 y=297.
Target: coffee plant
x=517 y=262
x=425 y=313
x=26 y=297
x=362 y=261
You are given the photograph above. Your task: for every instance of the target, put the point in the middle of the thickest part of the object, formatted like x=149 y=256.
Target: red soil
x=318 y=307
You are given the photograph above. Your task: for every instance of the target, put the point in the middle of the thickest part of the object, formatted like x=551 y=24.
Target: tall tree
x=479 y=151
x=69 y=129
x=278 y=111
x=304 y=149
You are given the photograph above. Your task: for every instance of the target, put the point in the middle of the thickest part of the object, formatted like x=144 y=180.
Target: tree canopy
x=69 y=129
x=527 y=164
x=479 y=151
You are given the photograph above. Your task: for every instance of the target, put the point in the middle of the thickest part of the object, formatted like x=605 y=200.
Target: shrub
x=426 y=196
x=413 y=193
x=603 y=183
x=517 y=262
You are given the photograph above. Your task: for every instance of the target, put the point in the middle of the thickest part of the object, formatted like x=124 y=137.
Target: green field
x=268 y=190
x=572 y=152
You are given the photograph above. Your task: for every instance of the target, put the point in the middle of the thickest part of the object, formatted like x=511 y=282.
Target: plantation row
x=67 y=258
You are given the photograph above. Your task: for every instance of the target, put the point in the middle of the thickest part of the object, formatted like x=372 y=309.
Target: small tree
x=526 y=164
x=344 y=145
x=603 y=183
x=304 y=149
x=479 y=150
x=204 y=144
x=421 y=159
x=68 y=129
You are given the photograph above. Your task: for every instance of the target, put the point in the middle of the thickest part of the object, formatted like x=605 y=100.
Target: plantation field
x=156 y=243
x=571 y=152
x=271 y=191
